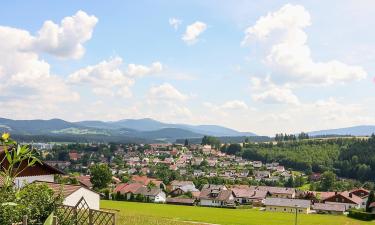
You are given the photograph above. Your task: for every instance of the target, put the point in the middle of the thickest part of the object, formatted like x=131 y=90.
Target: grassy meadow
x=162 y=214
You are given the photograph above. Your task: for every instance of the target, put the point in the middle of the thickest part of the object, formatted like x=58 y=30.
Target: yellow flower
x=5 y=136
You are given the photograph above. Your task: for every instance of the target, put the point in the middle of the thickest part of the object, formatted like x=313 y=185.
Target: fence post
x=54 y=220
x=90 y=217
x=24 y=220
x=114 y=219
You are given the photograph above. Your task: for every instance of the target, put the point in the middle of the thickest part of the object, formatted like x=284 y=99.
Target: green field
x=162 y=214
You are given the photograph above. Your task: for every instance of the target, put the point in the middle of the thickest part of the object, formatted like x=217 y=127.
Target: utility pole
x=295 y=219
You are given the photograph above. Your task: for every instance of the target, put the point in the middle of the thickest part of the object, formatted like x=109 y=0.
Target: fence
x=81 y=214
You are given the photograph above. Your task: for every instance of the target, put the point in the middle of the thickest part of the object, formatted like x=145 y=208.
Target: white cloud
x=65 y=40
x=166 y=92
x=234 y=105
x=140 y=70
x=267 y=92
x=109 y=79
x=25 y=78
x=175 y=23
x=193 y=31
x=289 y=54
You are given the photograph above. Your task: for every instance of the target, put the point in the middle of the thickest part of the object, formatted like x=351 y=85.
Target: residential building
x=287 y=205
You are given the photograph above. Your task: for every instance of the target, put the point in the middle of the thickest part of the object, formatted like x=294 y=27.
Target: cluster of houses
x=188 y=161
x=275 y=199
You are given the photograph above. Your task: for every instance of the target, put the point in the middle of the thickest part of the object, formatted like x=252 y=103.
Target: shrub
x=37 y=201
x=361 y=215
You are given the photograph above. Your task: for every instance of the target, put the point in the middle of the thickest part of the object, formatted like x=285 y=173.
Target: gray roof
x=329 y=207
x=300 y=203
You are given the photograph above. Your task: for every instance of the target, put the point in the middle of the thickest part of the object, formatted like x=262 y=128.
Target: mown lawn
x=160 y=214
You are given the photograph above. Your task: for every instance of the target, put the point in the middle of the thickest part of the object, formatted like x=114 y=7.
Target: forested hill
x=347 y=157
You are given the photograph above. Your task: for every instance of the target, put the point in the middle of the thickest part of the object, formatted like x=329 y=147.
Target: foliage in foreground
x=36 y=201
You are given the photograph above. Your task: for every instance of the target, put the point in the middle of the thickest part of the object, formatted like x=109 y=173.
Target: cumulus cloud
x=289 y=53
x=66 y=39
x=276 y=95
x=141 y=70
x=110 y=79
x=267 y=92
x=175 y=23
x=166 y=92
x=193 y=31
x=27 y=83
x=25 y=78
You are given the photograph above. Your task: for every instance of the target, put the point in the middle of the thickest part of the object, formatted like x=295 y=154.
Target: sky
x=258 y=66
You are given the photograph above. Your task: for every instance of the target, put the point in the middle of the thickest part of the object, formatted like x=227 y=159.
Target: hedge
x=360 y=215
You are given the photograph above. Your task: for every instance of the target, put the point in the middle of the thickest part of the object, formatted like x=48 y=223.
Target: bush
x=361 y=215
x=37 y=201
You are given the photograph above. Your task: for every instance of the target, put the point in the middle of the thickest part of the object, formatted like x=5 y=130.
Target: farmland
x=158 y=214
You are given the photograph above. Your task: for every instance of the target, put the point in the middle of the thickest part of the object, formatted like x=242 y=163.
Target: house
x=246 y=195
x=128 y=189
x=186 y=186
x=72 y=194
x=154 y=194
x=315 y=177
x=329 y=208
x=146 y=180
x=198 y=173
x=181 y=201
x=280 y=169
x=287 y=205
x=216 y=195
x=277 y=192
x=347 y=198
x=362 y=193
x=74 y=156
x=257 y=164
x=261 y=174
x=39 y=172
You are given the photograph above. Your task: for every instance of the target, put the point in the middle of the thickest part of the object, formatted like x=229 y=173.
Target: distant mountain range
x=129 y=130
x=364 y=130
x=139 y=131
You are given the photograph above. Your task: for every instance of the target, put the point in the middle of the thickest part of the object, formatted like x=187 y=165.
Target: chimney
x=350 y=195
x=335 y=192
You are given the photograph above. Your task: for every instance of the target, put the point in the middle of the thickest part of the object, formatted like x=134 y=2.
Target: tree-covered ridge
x=347 y=157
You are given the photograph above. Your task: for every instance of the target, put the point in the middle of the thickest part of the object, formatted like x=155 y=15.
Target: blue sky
x=260 y=66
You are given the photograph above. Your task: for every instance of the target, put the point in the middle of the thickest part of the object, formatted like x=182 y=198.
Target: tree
x=186 y=142
x=370 y=200
x=303 y=135
x=233 y=149
x=213 y=141
x=328 y=181
x=101 y=176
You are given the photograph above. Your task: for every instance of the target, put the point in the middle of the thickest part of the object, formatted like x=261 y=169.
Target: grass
x=158 y=214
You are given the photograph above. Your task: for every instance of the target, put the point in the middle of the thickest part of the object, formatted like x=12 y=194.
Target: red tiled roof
x=85 y=180
x=128 y=188
x=324 y=195
x=146 y=180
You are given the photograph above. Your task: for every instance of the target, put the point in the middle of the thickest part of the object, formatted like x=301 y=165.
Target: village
x=192 y=175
